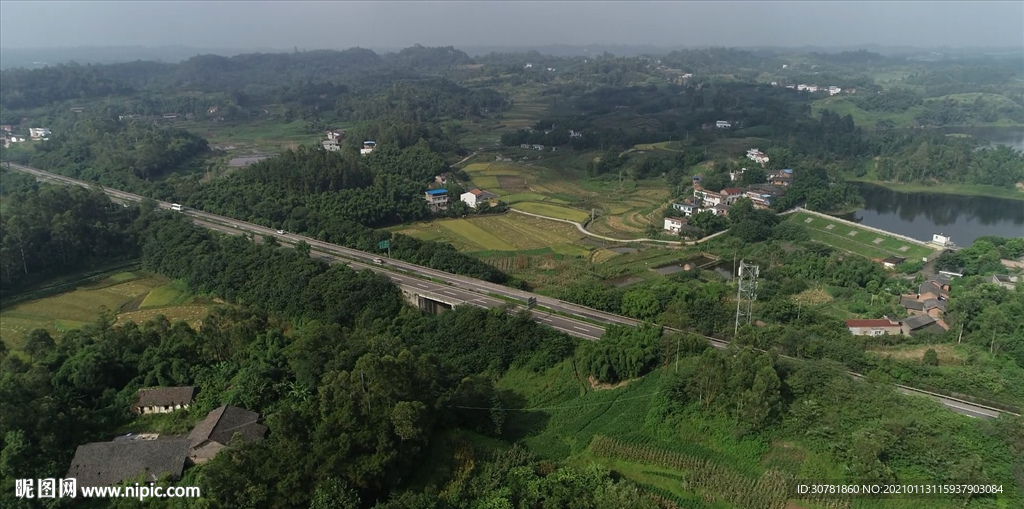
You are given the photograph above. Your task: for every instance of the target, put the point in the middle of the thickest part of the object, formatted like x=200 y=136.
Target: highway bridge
x=432 y=290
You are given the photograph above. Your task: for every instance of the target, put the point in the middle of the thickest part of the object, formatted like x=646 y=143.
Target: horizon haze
x=396 y=24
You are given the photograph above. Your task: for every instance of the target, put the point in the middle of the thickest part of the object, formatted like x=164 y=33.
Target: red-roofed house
x=874 y=327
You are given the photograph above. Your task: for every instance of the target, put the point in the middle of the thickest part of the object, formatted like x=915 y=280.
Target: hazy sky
x=338 y=25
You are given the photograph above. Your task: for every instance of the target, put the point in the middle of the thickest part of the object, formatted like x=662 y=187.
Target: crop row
x=711 y=478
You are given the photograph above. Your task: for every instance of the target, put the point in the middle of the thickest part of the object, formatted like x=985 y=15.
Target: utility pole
x=746 y=294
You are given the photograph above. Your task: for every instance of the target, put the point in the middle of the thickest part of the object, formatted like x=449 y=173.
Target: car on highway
x=280 y=232
x=378 y=261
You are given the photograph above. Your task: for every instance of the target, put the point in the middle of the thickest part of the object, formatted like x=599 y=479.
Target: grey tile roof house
x=921 y=323
x=160 y=400
x=109 y=463
x=215 y=431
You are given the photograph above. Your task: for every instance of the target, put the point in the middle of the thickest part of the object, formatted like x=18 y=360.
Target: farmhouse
x=761 y=201
x=475 y=197
x=443 y=178
x=723 y=124
x=368 y=147
x=331 y=145
x=731 y=194
x=892 y=261
x=874 y=327
x=709 y=198
x=215 y=431
x=537 y=147
x=757 y=156
x=37 y=133
x=687 y=207
x=110 y=463
x=674 y=224
x=1008 y=282
x=781 y=179
x=162 y=400
x=437 y=199
x=719 y=210
x=524 y=146
x=833 y=90
x=336 y=134
x=918 y=324
x=736 y=175
x=7 y=128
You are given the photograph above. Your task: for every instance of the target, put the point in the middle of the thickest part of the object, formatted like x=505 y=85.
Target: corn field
x=714 y=481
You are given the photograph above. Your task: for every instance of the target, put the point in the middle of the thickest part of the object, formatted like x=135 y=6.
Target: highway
x=460 y=288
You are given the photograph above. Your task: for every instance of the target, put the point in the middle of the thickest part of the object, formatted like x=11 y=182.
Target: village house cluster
x=926 y=311
x=12 y=134
x=153 y=457
x=718 y=203
x=437 y=197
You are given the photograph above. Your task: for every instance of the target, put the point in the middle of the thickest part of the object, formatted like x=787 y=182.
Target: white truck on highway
x=177 y=207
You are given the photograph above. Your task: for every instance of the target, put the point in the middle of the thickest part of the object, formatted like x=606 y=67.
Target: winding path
x=584 y=231
x=612 y=239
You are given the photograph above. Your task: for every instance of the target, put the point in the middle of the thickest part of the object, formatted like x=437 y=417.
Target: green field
x=549 y=210
x=123 y=293
x=265 y=135
x=471 y=231
x=614 y=428
x=506 y=234
x=171 y=294
x=862 y=242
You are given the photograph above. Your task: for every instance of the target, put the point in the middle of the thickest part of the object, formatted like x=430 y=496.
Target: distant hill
x=34 y=58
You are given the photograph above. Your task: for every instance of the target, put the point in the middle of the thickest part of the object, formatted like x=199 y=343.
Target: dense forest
x=50 y=231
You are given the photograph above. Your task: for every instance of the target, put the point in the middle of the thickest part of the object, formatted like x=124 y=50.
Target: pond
x=919 y=215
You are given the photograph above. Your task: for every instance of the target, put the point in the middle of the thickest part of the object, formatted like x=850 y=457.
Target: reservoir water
x=964 y=218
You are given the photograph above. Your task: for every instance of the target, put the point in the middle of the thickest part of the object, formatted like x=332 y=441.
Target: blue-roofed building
x=437 y=199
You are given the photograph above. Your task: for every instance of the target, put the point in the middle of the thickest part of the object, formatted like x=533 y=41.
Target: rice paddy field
x=498 y=235
x=134 y=296
x=858 y=240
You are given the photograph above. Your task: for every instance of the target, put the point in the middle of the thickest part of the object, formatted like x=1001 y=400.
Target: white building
x=331 y=145
x=834 y=90
x=757 y=156
x=38 y=133
x=368 y=147
x=736 y=175
x=942 y=239
x=709 y=198
x=723 y=124
x=475 y=197
x=674 y=224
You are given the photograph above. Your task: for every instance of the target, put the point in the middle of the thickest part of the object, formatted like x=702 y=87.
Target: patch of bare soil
x=598 y=386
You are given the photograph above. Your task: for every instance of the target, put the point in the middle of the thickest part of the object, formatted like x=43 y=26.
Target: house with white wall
x=475 y=197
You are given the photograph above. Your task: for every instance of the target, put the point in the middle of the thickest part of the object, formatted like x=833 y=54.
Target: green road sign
x=384 y=244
